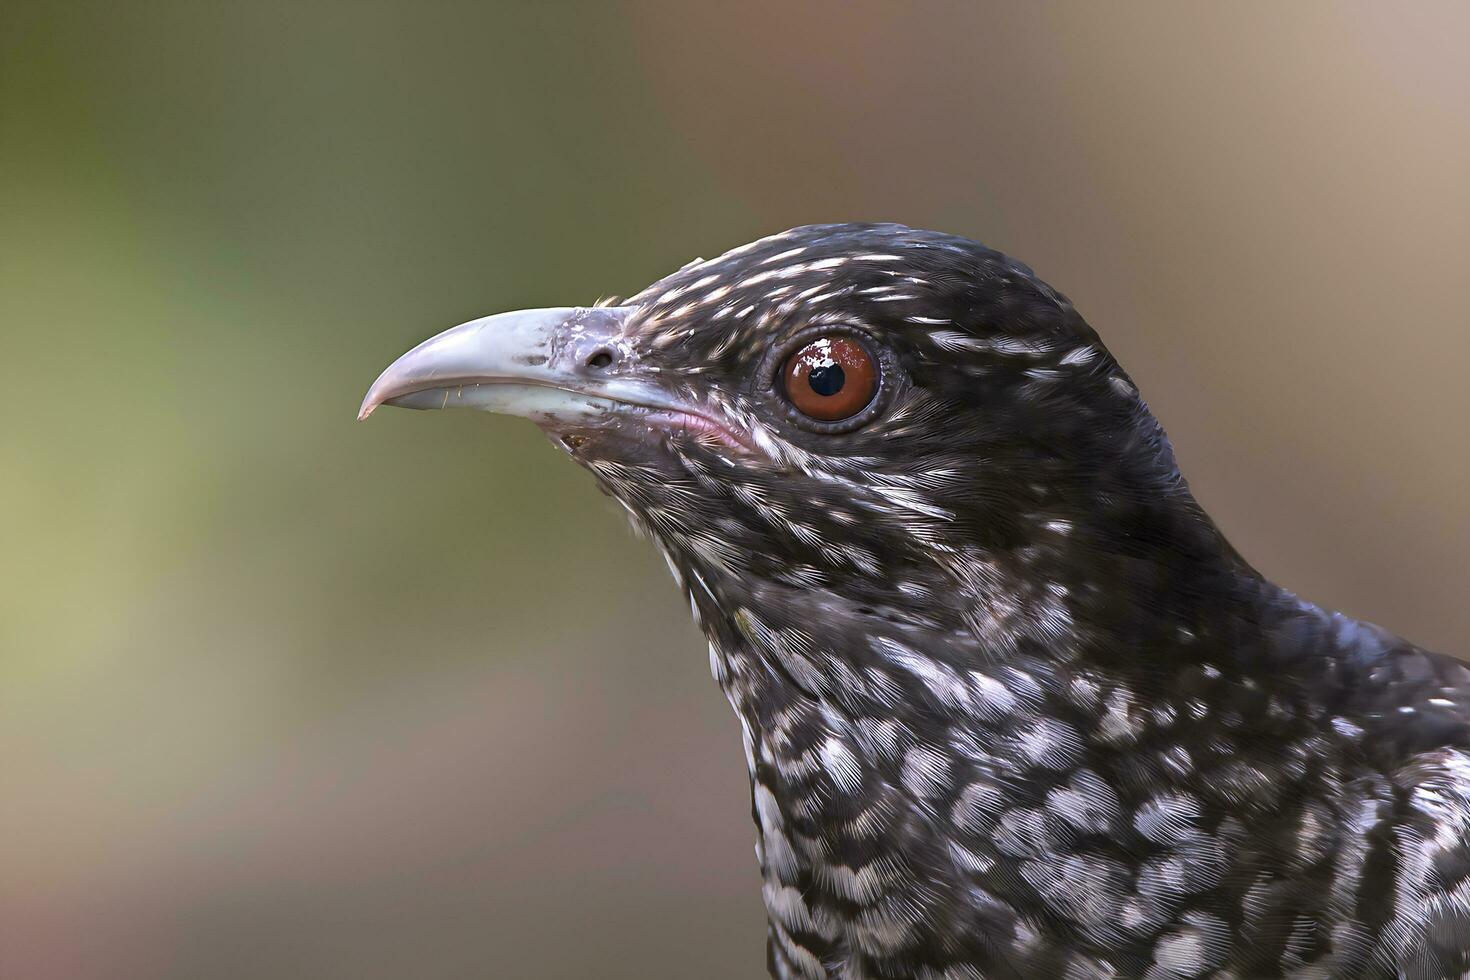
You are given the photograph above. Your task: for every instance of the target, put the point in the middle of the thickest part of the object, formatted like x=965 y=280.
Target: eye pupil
x=827 y=379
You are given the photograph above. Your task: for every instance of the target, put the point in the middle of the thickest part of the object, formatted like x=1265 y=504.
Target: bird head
x=902 y=422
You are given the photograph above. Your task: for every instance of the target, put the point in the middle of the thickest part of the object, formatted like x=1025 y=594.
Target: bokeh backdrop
x=286 y=696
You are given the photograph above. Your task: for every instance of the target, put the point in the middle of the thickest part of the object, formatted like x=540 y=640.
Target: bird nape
x=1012 y=706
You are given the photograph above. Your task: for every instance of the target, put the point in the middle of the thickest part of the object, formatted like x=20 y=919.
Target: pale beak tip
x=370 y=403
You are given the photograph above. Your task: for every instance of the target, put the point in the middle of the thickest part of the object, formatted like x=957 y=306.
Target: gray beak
x=567 y=364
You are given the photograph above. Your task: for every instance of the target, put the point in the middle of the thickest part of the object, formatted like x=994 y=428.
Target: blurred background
x=285 y=696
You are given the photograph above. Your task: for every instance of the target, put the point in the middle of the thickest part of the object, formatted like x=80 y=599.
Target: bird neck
x=1130 y=591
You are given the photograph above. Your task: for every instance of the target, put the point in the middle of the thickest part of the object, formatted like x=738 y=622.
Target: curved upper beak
x=560 y=364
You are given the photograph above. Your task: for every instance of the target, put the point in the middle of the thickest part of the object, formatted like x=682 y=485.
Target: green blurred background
x=282 y=695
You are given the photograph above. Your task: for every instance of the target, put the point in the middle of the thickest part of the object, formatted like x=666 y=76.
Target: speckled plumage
x=1012 y=706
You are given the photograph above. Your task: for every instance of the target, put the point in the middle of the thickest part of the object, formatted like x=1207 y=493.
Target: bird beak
x=563 y=368
x=566 y=364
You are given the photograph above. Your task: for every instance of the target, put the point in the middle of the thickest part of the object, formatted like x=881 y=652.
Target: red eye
x=831 y=378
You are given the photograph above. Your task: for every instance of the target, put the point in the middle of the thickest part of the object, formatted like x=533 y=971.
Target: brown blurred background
x=286 y=696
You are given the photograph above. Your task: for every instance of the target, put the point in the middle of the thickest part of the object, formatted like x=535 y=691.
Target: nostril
x=600 y=359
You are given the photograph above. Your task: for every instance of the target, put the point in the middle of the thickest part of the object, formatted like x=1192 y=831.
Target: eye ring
x=853 y=377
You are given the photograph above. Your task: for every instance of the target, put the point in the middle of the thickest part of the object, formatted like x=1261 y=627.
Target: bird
x=1011 y=704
